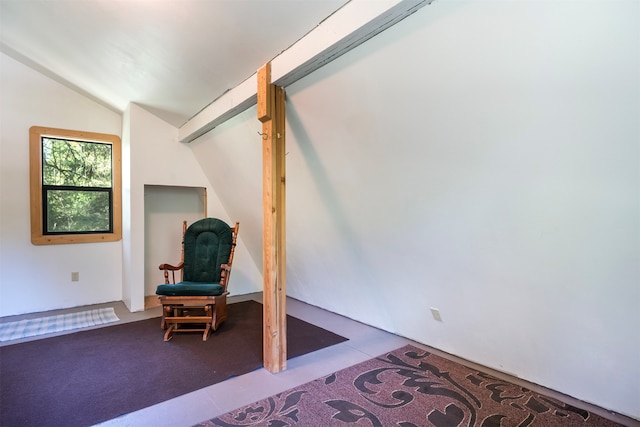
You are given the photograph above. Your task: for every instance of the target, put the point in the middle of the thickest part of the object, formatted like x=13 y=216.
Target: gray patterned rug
x=409 y=387
x=50 y=324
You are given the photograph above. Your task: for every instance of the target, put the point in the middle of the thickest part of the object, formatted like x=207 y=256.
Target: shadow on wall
x=325 y=189
x=349 y=255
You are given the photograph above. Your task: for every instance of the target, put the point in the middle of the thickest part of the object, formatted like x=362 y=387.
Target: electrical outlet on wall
x=75 y=276
x=436 y=314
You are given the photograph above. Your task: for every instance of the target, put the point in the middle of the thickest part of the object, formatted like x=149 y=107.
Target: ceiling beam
x=347 y=28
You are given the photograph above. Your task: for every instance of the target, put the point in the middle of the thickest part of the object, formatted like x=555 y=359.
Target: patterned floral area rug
x=409 y=387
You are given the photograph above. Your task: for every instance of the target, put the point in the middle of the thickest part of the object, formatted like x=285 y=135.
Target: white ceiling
x=173 y=57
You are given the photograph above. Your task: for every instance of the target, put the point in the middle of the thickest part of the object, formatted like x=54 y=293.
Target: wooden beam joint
x=265 y=93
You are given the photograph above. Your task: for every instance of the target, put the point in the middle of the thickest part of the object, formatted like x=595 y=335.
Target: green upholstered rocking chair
x=200 y=298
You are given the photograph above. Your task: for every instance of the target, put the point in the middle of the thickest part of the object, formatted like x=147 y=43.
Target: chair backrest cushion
x=207 y=245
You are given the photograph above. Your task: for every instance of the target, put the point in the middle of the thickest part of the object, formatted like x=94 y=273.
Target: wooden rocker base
x=192 y=311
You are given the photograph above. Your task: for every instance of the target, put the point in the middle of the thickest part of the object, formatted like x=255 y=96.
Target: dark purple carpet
x=91 y=376
x=409 y=387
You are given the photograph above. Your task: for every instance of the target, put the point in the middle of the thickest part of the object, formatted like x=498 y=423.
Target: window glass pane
x=77 y=211
x=77 y=163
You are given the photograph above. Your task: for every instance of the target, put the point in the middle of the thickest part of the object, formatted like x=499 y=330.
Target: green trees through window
x=76 y=178
x=75 y=186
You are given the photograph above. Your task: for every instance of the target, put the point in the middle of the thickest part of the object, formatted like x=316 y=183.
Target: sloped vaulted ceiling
x=173 y=57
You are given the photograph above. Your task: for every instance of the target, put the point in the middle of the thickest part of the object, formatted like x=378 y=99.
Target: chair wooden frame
x=209 y=311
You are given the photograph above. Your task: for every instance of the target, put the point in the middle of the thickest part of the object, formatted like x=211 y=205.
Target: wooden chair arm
x=173 y=269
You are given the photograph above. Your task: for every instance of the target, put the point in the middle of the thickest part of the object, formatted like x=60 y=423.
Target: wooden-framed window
x=76 y=186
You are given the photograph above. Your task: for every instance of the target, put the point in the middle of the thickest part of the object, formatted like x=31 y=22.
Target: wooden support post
x=274 y=240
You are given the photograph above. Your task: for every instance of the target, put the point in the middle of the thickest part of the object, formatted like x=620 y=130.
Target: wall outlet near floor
x=75 y=276
x=436 y=314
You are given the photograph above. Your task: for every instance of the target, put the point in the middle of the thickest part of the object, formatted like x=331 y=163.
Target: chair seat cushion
x=190 y=289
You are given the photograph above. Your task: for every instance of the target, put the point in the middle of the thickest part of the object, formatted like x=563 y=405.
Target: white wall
x=480 y=157
x=233 y=164
x=38 y=278
x=158 y=159
x=231 y=157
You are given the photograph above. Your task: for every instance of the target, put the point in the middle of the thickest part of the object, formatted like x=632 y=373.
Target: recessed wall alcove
x=165 y=207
